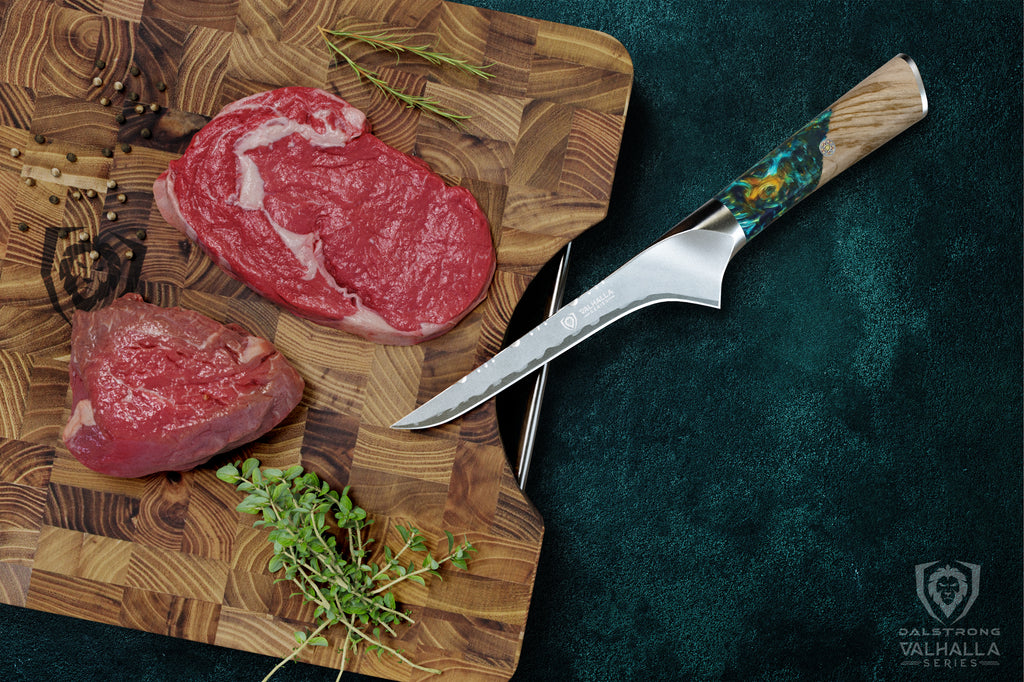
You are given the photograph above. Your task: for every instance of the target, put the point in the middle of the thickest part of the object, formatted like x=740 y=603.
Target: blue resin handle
x=880 y=107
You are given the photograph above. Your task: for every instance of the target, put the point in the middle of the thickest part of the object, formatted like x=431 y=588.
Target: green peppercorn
x=125 y=147
x=71 y=157
x=161 y=86
x=100 y=64
x=54 y=199
x=107 y=152
x=134 y=70
x=63 y=233
x=146 y=133
x=134 y=97
x=23 y=227
x=120 y=118
x=141 y=235
x=40 y=139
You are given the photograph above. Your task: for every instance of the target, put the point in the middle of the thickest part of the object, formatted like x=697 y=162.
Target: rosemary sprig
x=398 y=46
x=337 y=577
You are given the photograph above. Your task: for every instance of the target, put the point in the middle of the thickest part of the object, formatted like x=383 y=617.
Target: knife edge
x=686 y=264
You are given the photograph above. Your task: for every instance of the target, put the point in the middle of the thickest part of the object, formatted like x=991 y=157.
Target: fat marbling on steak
x=165 y=389
x=289 y=192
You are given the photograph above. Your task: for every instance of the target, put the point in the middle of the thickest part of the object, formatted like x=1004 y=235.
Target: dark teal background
x=743 y=494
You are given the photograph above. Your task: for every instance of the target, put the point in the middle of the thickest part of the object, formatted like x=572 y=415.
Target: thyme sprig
x=337 y=577
x=398 y=46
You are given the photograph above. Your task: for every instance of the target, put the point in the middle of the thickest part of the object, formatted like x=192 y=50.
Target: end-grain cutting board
x=168 y=553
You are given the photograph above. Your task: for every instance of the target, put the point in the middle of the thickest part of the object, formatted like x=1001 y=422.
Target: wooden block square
x=15 y=371
x=425 y=459
x=210 y=525
x=170 y=615
x=543 y=138
x=128 y=10
x=44 y=416
x=14 y=580
x=89 y=511
x=93 y=600
x=24 y=463
x=394 y=379
x=511 y=41
x=24 y=40
x=159 y=55
x=204 y=65
x=473 y=489
x=163 y=511
x=267 y=61
x=219 y=15
x=18 y=546
x=328 y=444
x=590 y=155
x=177 y=573
x=403 y=496
x=17 y=104
x=83 y=555
x=67 y=65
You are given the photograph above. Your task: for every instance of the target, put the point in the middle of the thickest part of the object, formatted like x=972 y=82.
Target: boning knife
x=688 y=262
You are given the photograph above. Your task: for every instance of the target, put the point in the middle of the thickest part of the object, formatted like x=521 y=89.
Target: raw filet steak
x=289 y=192
x=165 y=389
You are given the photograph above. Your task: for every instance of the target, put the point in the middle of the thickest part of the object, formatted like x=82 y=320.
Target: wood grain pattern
x=168 y=553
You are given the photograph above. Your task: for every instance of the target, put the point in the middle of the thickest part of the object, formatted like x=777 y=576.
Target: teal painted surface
x=780 y=180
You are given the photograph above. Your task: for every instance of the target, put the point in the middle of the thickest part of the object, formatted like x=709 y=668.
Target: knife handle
x=876 y=110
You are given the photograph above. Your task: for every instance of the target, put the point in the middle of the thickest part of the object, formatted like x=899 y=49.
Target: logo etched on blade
x=569 y=321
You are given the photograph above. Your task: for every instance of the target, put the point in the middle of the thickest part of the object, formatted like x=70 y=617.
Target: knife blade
x=687 y=263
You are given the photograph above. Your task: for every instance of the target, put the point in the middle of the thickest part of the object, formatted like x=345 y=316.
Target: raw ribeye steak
x=165 y=389
x=289 y=192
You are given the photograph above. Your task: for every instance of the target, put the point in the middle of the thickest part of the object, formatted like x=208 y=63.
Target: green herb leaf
x=399 y=45
x=344 y=587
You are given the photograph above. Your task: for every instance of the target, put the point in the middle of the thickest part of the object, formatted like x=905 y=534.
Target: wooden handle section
x=877 y=109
